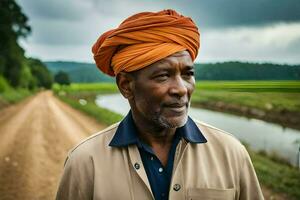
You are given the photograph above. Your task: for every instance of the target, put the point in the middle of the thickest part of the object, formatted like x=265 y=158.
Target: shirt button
x=137 y=166
x=160 y=170
x=176 y=187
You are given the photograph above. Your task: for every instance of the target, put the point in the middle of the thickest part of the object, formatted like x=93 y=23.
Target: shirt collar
x=126 y=133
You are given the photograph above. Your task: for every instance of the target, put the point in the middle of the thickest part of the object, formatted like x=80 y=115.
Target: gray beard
x=165 y=123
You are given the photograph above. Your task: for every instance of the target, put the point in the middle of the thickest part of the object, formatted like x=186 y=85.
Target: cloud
x=230 y=29
x=231 y=13
x=217 y=13
x=275 y=43
x=58 y=52
x=67 y=10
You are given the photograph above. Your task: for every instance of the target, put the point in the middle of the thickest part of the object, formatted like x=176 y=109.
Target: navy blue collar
x=126 y=133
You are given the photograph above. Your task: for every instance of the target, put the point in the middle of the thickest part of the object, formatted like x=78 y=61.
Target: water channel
x=259 y=135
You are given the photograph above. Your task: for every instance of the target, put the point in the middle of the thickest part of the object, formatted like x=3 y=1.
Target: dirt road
x=35 y=136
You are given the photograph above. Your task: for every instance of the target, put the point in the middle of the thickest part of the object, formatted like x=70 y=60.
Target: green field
x=264 y=95
x=247 y=86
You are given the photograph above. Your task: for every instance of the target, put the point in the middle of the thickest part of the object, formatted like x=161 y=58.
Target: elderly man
x=156 y=151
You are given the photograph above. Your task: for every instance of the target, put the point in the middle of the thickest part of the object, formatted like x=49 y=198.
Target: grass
x=102 y=115
x=250 y=86
x=82 y=97
x=9 y=95
x=12 y=96
x=264 y=95
x=278 y=176
x=15 y=95
x=100 y=88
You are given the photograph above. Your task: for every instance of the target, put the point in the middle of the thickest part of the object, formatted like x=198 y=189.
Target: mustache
x=176 y=104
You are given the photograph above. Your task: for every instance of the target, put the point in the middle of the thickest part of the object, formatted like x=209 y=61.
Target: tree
x=40 y=73
x=13 y=25
x=62 y=78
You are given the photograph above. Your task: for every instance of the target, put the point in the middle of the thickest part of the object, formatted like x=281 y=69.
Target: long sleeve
x=249 y=185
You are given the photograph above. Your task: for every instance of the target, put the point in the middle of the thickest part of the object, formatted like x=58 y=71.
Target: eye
x=189 y=73
x=162 y=76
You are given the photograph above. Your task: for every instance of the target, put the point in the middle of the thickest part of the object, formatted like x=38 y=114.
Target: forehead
x=180 y=60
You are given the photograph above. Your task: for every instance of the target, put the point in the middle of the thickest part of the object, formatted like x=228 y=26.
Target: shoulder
x=213 y=133
x=220 y=139
x=94 y=144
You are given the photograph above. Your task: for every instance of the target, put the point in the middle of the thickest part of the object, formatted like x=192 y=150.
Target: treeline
x=246 y=71
x=88 y=72
x=16 y=70
x=78 y=72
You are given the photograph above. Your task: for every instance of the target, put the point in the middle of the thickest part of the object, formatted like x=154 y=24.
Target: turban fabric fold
x=143 y=39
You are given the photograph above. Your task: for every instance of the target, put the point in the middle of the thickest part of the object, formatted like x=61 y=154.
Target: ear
x=125 y=84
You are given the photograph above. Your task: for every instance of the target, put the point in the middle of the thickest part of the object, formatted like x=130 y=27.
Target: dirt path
x=35 y=136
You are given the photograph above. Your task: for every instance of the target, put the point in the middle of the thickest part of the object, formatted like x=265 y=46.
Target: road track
x=35 y=136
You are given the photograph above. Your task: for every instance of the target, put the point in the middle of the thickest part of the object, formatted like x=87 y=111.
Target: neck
x=158 y=138
x=153 y=135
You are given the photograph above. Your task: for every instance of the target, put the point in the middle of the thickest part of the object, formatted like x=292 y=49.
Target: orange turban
x=143 y=39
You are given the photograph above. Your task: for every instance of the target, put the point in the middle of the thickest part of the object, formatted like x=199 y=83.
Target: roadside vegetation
x=272 y=172
x=9 y=95
x=82 y=97
x=278 y=176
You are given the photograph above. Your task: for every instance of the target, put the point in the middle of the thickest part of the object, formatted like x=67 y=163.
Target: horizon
x=217 y=62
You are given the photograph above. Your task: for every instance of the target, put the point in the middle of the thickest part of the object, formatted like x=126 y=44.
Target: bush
x=3 y=84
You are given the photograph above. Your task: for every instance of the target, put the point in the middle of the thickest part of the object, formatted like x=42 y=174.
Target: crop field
x=251 y=86
x=265 y=95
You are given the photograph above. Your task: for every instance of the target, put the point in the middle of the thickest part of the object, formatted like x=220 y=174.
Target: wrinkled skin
x=159 y=94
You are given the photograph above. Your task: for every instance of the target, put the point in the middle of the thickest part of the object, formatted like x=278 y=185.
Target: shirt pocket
x=211 y=194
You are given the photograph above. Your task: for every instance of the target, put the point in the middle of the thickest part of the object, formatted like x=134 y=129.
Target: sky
x=231 y=30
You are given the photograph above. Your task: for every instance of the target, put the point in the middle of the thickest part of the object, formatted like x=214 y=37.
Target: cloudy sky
x=245 y=30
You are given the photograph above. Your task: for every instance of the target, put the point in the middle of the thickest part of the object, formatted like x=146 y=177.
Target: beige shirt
x=218 y=169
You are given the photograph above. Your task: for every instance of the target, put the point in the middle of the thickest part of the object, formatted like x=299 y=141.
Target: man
x=156 y=151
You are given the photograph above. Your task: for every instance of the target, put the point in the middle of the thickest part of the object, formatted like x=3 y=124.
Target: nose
x=178 y=87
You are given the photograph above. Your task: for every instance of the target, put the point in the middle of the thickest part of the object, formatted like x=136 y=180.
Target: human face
x=162 y=91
